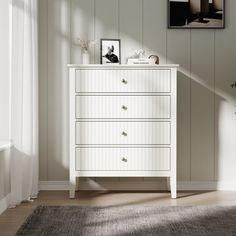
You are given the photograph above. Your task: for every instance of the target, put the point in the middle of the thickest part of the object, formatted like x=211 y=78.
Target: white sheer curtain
x=24 y=115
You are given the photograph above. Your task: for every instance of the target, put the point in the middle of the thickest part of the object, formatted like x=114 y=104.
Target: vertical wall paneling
x=225 y=98
x=178 y=51
x=82 y=26
x=106 y=23
x=130 y=27
x=43 y=98
x=202 y=105
x=58 y=58
x=154 y=35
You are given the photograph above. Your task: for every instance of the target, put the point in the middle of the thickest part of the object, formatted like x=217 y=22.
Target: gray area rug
x=132 y=220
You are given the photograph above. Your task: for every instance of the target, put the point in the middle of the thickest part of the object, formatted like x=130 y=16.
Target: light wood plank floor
x=12 y=219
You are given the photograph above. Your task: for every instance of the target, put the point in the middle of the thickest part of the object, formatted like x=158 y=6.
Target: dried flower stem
x=85 y=44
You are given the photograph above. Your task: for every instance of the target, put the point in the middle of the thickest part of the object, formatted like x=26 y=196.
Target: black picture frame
x=179 y=12
x=116 y=54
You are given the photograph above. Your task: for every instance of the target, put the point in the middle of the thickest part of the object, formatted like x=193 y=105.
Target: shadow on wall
x=60 y=44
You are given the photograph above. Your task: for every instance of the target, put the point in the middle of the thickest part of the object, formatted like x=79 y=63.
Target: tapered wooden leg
x=173 y=187
x=168 y=183
x=72 y=187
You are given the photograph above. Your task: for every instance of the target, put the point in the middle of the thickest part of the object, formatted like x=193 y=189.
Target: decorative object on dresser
x=154 y=58
x=140 y=61
x=138 y=57
x=85 y=45
x=110 y=51
x=122 y=122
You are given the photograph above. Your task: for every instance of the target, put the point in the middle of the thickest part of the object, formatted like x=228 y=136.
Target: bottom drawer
x=116 y=159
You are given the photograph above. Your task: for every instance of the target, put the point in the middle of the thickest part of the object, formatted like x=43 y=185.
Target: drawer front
x=122 y=133
x=123 y=81
x=146 y=107
x=116 y=159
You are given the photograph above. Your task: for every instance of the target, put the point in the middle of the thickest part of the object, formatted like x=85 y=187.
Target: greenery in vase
x=233 y=85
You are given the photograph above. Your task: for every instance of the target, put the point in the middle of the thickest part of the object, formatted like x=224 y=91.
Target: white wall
x=4 y=70
x=206 y=119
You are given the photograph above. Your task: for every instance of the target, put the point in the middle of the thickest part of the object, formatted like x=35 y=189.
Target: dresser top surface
x=122 y=66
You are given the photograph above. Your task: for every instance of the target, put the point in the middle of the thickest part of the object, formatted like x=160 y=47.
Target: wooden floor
x=12 y=219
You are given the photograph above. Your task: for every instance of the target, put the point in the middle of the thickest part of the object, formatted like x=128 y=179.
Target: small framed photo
x=196 y=14
x=110 y=51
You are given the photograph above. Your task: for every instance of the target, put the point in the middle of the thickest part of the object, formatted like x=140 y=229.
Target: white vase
x=85 y=57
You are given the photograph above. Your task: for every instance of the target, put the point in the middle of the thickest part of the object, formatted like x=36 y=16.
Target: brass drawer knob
x=124 y=81
x=124 y=133
x=124 y=108
x=124 y=159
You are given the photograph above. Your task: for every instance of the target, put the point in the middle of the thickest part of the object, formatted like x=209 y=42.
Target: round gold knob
x=124 y=133
x=124 y=159
x=124 y=81
x=124 y=108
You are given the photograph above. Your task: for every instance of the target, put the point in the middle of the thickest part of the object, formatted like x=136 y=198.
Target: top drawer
x=123 y=81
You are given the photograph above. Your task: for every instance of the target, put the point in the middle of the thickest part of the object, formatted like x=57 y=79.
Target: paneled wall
x=206 y=119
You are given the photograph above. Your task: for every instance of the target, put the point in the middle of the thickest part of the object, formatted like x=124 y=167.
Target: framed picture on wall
x=110 y=51
x=196 y=14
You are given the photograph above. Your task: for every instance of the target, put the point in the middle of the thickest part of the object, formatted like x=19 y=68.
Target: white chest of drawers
x=122 y=122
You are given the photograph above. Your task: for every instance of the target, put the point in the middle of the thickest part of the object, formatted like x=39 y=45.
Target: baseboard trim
x=53 y=185
x=197 y=186
x=4 y=203
x=142 y=186
x=103 y=185
x=207 y=185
